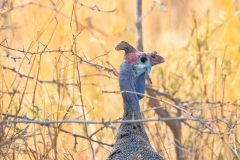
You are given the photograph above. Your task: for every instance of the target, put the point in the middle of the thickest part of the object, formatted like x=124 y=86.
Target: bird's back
x=132 y=144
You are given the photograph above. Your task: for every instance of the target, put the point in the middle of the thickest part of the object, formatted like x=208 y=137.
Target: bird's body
x=132 y=142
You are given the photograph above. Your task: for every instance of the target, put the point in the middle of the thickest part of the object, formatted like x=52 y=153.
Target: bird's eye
x=143 y=59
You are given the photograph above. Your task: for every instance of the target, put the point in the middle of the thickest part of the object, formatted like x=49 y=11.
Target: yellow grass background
x=199 y=40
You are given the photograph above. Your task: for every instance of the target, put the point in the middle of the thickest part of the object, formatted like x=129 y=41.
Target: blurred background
x=57 y=62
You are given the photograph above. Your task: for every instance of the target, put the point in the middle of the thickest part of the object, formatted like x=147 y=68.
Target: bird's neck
x=130 y=98
x=131 y=105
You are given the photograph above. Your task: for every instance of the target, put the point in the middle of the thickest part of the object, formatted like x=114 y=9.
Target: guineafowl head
x=136 y=67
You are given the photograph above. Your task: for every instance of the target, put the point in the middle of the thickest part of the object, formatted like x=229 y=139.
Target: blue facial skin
x=140 y=70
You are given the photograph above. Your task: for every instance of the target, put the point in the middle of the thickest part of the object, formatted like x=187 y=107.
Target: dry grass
x=57 y=62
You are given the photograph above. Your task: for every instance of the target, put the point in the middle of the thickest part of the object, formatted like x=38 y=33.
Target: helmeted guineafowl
x=132 y=142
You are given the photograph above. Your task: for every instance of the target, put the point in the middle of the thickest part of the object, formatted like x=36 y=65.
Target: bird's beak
x=157 y=59
x=154 y=59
